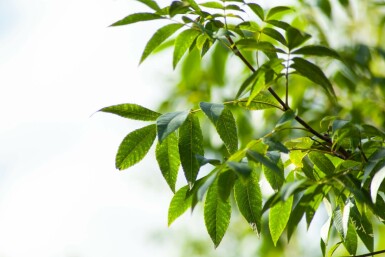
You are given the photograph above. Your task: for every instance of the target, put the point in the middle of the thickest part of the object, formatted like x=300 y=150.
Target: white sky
x=60 y=194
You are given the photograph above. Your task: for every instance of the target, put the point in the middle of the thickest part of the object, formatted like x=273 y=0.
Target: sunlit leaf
x=278 y=217
x=190 y=144
x=167 y=155
x=179 y=204
x=132 y=111
x=275 y=35
x=182 y=43
x=137 y=17
x=135 y=146
x=169 y=122
x=275 y=10
x=249 y=200
x=158 y=38
x=217 y=214
x=212 y=4
x=322 y=162
x=377 y=180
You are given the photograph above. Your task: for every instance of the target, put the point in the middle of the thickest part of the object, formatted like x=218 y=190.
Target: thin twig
x=366 y=254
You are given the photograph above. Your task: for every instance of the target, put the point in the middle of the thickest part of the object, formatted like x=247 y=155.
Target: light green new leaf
x=190 y=145
x=150 y=3
x=275 y=10
x=249 y=200
x=158 y=38
x=183 y=42
x=169 y=122
x=132 y=111
x=179 y=204
x=167 y=155
x=212 y=4
x=217 y=214
x=322 y=162
x=317 y=51
x=135 y=146
x=257 y=9
x=137 y=17
x=378 y=178
x=278 y=217
x=313 y=73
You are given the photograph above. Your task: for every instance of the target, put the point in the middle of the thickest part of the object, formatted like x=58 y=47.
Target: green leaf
x=178 y=7
x=183 y=42
x=167 y=155
x=213 y=111
x=135 y=146
x=158 y=38
x=364 y=228
x=295 y=37
x=287 y=116
x=275 y=180
x=224 y=122
x=137 y=17
x=169 y=122
x=278 y=217
x=326 y=7
x=217 y=214
x=150 y=3
x=350 y=241
x=240 y=168
x=251 y=44
x=377 y=180
x=257 y=9
x=226 y=181
x=212 y=4
x=179 y=204
x=132 y=111
x=279 y=24
x=317 y=51
x=275 y=10
x=313 y=73
x=249 y=200
x=322 y=162
x=275 y=35
x=259 y=158
x=190 y=144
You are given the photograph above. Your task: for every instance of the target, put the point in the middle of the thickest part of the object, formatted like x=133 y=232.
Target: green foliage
x=310 y=149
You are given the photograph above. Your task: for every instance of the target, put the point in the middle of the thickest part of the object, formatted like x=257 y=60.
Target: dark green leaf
x=137 y=17
x=350 y=241
x=279 y=24
x=251 y=44
x=313 y=73
x=217 y=214
x=203 y=161
x=295 y=37
x=288 y=116
x=259 y=158
x=326 y=7
x=257 y=9
x=135 y=146
x=275 y=180
x=364 y=228
x=278 y=217
x=227 y=130
x=249 y=200
x=183 y=42
x=317 y=51
x=179 y=204
x=178 y=7
x=132 y=111
x=169 y=122
x=226 y=182
x=213 y=111
x=158 y=38
x=150 y=3
x=167 y=155
x=242 y=169
x=275 y=10
x=275 y=35
x=190 y=145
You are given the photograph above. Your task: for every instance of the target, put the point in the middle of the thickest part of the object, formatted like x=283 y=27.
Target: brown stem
x=367 y=254
x=342 y=153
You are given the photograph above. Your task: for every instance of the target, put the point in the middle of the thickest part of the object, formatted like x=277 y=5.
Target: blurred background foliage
x=356 y=29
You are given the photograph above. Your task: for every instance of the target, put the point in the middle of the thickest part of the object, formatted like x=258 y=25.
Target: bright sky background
x=60 y=194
